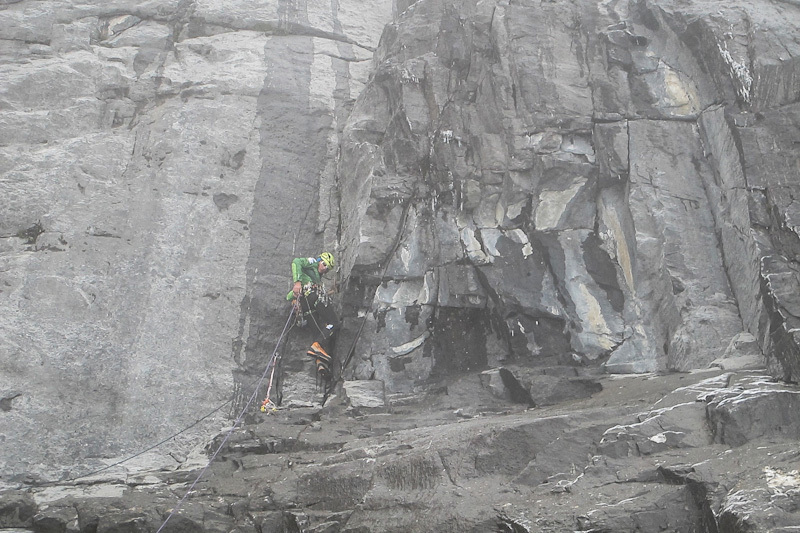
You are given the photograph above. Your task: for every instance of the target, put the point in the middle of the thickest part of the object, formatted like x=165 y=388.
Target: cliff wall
x=578 y=180
x=162 y=163
x=526 y=200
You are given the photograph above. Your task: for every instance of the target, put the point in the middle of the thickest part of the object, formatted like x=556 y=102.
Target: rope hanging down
x=233 y=427
x=152 y=447
x=268 y=404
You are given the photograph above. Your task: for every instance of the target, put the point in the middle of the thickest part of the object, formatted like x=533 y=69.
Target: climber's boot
x=323 y=360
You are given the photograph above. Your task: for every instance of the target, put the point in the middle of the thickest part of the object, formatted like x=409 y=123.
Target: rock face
x=162 y=162
x=575 y=180
x=682 y=452
x=525 y=198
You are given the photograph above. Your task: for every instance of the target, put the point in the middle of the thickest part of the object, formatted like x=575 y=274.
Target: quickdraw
x=268 y=406
x=321 y=297
x=322 y=294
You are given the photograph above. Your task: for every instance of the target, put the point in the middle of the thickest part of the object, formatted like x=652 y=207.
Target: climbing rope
x=268 y=405
x=322 y=297
x=142 y=452
x=172 y=436
x=272 y=359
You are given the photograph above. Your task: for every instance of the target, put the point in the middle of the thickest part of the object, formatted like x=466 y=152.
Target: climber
x=311 y=301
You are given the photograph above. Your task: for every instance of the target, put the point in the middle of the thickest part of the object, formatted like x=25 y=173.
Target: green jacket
x=304 y=270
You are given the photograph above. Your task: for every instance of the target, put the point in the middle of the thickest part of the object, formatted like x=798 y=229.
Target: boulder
x=17 y=510
x=364 y=395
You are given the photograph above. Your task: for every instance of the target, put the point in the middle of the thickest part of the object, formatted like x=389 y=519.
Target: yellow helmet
x=327 y=258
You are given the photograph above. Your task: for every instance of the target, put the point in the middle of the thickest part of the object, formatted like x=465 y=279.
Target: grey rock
x=17 y=510
x=746 y=509
x=561 y=470
x=57 y=520
x=743 y=353
x=493 y=381
x=557 y=191
x=365 y=395
x=138 y=146
x=740 y=416
x=622 y=229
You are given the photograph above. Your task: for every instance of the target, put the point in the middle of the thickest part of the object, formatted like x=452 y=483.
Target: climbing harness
x=319 y=293
x=313 y=295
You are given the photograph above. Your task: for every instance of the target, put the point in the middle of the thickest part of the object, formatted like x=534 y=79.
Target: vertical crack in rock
x=292 y=153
